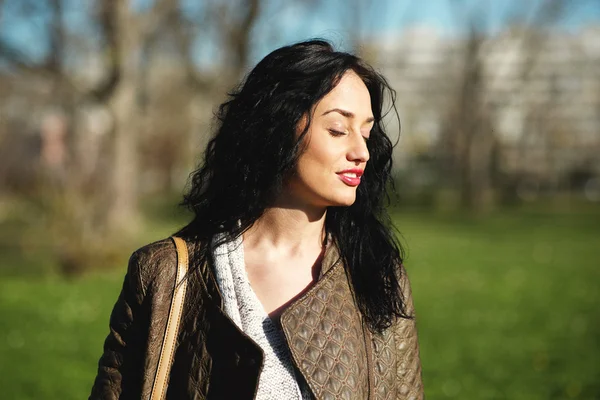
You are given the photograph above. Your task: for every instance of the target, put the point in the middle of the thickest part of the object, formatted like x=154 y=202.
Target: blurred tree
x=469 y=142
x=468 y=135
x=223 y=29
x=109 y=64
x=122 y=34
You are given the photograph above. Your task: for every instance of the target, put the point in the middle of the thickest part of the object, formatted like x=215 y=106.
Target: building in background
x=541 y=91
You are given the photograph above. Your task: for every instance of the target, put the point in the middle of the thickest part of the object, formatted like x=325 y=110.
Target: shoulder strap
x=159 y=387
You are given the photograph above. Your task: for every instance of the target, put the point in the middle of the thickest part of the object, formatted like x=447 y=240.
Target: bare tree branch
x=107 y=21
x=15 y=57
x=239 y=36
x=184 y=31
x=234 y=25
x=152 y=19
x=56 y=37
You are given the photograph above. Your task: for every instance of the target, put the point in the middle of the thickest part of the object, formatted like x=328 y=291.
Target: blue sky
x=333 y=19
x=392 y=16
x=441 y=13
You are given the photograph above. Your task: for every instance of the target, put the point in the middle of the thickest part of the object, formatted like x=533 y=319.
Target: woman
x=296 y=288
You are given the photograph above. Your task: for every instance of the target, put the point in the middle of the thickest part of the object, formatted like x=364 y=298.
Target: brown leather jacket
x=329 y=343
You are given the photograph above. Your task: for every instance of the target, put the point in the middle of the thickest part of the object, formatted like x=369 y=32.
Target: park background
x=106 y=105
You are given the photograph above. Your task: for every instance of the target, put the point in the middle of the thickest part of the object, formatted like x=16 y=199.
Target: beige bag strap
x=159 y=388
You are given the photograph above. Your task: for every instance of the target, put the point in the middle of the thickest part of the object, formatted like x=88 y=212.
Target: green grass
x=507 y=308
x=51 y=335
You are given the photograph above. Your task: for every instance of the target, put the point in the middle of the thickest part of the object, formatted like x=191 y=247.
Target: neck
x=289 y=229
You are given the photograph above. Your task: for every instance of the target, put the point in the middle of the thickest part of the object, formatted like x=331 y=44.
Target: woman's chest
x=277 y=283
x=327 y=340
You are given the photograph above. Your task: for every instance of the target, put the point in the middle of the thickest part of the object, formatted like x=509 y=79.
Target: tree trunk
x=123 y=211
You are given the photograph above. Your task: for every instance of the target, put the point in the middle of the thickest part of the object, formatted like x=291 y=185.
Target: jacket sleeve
x=120 y=366
x=409 y=380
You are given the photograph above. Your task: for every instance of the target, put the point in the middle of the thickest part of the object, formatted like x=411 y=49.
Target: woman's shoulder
x=157 y=250
x=153 y=262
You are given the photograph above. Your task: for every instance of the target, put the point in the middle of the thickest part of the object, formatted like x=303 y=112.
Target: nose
x=358 y=151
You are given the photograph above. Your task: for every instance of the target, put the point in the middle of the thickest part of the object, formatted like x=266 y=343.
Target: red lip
x=358 y=171
x=348 y=180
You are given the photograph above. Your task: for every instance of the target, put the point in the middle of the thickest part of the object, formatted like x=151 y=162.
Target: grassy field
x=508 y=307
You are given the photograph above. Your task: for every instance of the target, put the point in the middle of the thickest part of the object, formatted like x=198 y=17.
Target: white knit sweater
x=277 y=379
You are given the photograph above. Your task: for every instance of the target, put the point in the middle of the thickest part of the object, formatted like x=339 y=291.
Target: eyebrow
x=346 y=114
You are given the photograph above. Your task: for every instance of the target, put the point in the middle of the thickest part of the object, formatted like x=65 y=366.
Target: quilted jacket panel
x=337 y=356
x=325 y=335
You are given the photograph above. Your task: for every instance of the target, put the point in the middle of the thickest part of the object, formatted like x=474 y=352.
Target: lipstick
x=351 y=177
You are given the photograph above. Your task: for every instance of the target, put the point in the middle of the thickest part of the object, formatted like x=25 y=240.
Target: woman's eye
x=336 y=133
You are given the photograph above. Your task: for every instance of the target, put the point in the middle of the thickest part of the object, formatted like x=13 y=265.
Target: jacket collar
x=330 y=258
x=324 y=330
x=208 y=277
x=325 y=334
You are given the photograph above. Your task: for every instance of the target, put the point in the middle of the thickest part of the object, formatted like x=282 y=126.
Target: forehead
x=350 y=94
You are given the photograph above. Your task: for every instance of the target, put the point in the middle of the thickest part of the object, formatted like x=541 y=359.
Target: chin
x=343 y=201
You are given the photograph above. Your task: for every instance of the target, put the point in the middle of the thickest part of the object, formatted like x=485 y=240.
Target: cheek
x=310 y=168
x=322 y=151
x=316 y=162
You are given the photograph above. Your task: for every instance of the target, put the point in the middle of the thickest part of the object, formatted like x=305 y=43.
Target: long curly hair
x=256 y=147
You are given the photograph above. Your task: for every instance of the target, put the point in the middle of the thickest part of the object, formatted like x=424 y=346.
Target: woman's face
x=329 y=170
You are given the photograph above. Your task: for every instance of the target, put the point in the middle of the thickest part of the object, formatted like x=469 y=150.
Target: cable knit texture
x=277 y=379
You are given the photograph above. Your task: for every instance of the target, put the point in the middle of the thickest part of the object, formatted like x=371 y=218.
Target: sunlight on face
x=330 y=168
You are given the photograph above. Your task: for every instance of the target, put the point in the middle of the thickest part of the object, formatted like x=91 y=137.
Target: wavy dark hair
x=256 y=147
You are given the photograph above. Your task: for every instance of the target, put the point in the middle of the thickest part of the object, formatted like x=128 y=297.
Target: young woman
x=296 y=288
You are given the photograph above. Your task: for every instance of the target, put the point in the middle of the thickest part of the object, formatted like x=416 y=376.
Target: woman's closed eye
x=335 y=132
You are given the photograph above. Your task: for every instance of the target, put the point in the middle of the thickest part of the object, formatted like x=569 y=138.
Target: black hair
x=256 y=147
